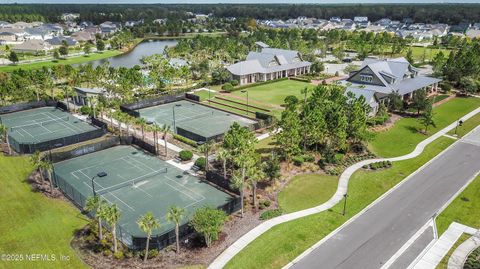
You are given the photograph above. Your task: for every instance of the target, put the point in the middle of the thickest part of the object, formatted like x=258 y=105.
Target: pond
x=132 y=58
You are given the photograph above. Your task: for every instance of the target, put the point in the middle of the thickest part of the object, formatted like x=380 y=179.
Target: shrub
x=85 y=110
x=227 y=87
x=200 y=163
x=185 y=140
x=339 y=157
x=298 y=160
x=118 y=255
x=107 y=253
x=185 y=155
x=234 y=82
x=264 y=204
x=128 y=254
x=308 y=158
x=269 y=214
x=152 y=253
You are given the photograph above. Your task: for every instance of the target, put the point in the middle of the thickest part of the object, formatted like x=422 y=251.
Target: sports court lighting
x=99 y=174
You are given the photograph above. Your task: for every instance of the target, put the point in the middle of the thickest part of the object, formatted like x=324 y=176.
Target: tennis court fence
x=27 y=106
x=132 y=108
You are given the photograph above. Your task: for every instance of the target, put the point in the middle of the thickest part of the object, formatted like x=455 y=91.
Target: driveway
x=371 y=239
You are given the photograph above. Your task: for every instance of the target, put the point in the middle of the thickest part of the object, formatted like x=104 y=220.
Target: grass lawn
x=430 y=53
x=32 y=223
x=274 y=93
x=266 y=146
x=444 y=262
x=467 y=126
x=284 y=242
x=308 y=190
x=465 y=209
x=404 y=135
x=204 y=95
x=73 y=60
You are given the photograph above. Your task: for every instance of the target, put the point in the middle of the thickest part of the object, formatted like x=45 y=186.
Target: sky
x=233 y=1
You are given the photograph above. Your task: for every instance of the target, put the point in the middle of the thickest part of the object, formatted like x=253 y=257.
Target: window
x=366 y=78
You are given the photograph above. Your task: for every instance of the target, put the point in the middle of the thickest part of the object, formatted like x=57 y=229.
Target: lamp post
x=245 y=91
x=100 y=174
x=459 y=123
x=174 y=124
x=208 y=96
x=344 y=203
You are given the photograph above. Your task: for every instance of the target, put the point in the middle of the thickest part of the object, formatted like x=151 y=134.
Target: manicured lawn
x=404 y=135
x=430 y=53
x=308 y=190
x=30 y=223
x=73 y=60
x=284 y=242
x=444 y=262
x=266 y=146
x=467 y=126
x=465 y=209
x=275 y=93
x=204 y=95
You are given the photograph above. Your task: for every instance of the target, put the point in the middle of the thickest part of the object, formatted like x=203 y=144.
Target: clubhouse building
x=376 y=79
x=268 y=64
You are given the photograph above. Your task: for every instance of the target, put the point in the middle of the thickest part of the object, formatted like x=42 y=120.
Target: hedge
x=258 y=84
x=200 y=163
x=185 y=155
x=185 y=140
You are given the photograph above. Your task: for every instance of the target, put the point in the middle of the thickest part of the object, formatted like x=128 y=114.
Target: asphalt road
x=376 y=235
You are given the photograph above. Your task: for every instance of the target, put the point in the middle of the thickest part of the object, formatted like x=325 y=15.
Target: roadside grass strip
x=294 y=237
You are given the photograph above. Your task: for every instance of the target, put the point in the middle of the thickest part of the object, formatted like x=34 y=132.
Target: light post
x=459 y=123
x=174 y=124
x=344 y=203
x=100 y=174
x=245 y=91
x=208 y=96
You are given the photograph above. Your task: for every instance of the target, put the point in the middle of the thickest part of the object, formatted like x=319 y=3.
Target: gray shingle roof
x=259 y=62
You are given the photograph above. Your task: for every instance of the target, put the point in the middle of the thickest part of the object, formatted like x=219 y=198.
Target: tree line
x=445 y=13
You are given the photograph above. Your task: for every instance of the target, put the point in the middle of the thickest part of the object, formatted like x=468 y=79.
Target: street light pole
x=174 y=123
x=99 y=174
x=344 y=203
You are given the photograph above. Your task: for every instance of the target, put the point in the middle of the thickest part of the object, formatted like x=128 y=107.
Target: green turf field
x=198 y=119
x=274 y=93
x=137 y=183
x=35 y=126
x=31 y=223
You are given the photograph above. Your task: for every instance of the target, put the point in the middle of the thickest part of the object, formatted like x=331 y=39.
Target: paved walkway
x=342 y=188
x=460 y=255
x=441 y=246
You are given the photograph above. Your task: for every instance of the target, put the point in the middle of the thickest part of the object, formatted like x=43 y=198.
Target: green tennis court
x=137 y=183
x=192 y=120
x=41 y=125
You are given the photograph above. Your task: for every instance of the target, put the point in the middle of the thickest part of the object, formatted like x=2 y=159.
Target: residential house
x=471 y=33
x=269 y=64
x=70 y=16
x=383 y=22
x=108 y=28
x=382 y=77
x=33 y=46
x=38 y=33
x=361 y=22
x=5 y=24
x=12 y=35
x=83 y=36
x=371 y=98
x=58 y=41
x=84 y=95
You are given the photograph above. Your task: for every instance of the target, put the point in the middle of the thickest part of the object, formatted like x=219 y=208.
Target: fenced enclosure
x=41 y=127
x=137 y=182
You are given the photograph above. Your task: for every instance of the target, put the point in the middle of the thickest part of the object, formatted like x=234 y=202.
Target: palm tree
x=112 y=215
x=156 y=128
x=205 y=148
x=223 y=155
x=175 y=215
x=36 y=159
x=143 y=123
x=165 y=129
x=255 y=175
x=94 y=204
x=47 y=166
x=4 y=136
x=147 y=223
x=238 y=182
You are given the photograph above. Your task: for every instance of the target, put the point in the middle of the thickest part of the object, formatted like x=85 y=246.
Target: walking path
x=441 y=246
x=342 y=188
x=460 y=255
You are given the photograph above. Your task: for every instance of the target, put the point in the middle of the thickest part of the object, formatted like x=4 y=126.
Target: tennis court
x=44 y=128
x=137 y=183
x=194 y=121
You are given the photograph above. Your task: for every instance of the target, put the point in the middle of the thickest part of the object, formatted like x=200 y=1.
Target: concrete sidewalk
x=342 y=188
x=442 y=245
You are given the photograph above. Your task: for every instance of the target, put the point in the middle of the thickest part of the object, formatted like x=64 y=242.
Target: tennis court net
x=131 y=182
x=38 y=124
x=199 y=116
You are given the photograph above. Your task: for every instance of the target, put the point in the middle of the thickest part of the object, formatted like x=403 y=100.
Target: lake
x=132 y=58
